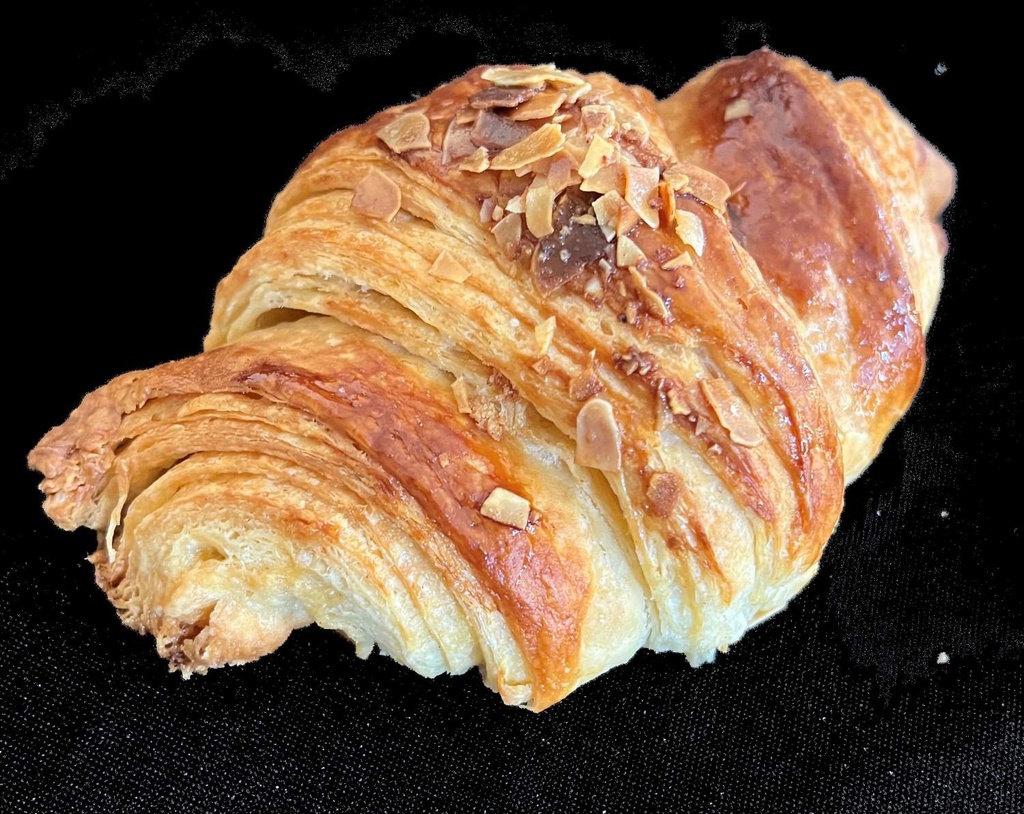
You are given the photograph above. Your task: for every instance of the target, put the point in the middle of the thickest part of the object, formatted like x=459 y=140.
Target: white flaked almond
x=690 y=231
x=377 y=196
x=541 y=106
x=461 y=392
x=668 y=202
x=607 y=209
x=733 y=413
x=540 y=204
x=610 y=178
x=598 y=437
x=509 y=231
x=507 y=507
x=627 y=253
x=599 y=154
x=737 y=109
x=410 y=131
x=578 y=92
x=543 y=142
x=641 y=184
x=516 y=204
x=477 y=161
x=533 y=76
x=543 y=334
x=448 y=268
x=681 y=260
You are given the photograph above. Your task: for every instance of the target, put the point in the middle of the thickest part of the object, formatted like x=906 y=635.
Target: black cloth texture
x=140 y=152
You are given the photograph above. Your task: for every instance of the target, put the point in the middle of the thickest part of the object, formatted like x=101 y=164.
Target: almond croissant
x=526 y=375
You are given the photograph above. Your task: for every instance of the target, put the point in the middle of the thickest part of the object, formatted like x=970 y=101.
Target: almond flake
x=599 y=154
x=507 y=508
x=597 y=120
x=544 y=142
x=607 y=209
x=540 y=202
x=461 y=392
x=477 y=162
x=627 y=253
x=706 y=186
x=668 y=202
x=377 y=196
x=641 y=182
x=677 y=401
x=690 y=231
x=598 y=437
x=578 y=92
x=733 y=413
x=533 y=76
x=544 y=333
x=486 y=209
x=515 y=204
x=541 y=106
x=497 y=214
x=562 y=173
x=559 y=118
x=585 y=220
x=448 y=268
x=676 y=177
x=653 y=300
x=594 y=289
x=607 y=179
x=737 y=109
x=679 y=261
x=410 y=131
x=508 y=232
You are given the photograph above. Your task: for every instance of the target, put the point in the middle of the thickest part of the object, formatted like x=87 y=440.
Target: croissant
x=526 y=375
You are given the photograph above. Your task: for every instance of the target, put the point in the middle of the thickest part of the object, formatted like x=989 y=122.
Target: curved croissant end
x=500 y=387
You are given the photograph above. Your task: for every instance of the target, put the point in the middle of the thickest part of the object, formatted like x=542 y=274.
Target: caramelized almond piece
x=578 y=92
x=377 y=196
x=706 y=186
x=544 y=333
x=540 y=202
x=597 y=120
x=477 y=161
x=690 y=231
x=679 y=261
x=532 y=76
x=627 y=253
x=500 y=97
x=410 y=131
x=653 y=300
x=497 y=132
x=562 y=173
x=676 y=177
x=509 y=231
x=507 y=507
x=541 y=106
x=607 y=209
x=544 y=142
x=598 y=437
x=599 y=155
x=610 y=178
x=448 y=268
x=733 y=413
x=641 y=182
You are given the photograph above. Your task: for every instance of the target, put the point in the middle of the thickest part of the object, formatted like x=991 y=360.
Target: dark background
x=139 y=152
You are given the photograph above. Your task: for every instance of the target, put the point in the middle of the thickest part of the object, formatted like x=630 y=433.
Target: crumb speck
x=940 y=69
x=514 y=322
x=878 y=512
x=944 y=514
x=943 y=658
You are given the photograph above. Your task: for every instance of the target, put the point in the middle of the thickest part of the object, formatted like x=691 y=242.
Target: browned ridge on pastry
x=526 y=375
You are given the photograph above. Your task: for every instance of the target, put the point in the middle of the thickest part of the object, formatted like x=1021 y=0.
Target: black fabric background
x=140 y=151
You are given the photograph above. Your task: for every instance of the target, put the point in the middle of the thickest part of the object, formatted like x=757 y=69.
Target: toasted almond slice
x=516 y=204
x=509 y=231
x=477 y=161
x=540 y=202
x=585 y=220
x=690 y=231
x=733 y=413
x=448 y=268
x=607 y=179
x=544 y=142
x=593 y=288
x=461 y=392
x=507 y=508
x=681 y=260
x=599 y=154
x=498 y=213
x=706 y=186
x=737 y=109
x=544 y=333
x=467 y=116
x=377 y=196
x=410 y=131
x=641 y=182
x=562 y=172
x=531 y=76
x=541 y=106
x=676 y=177
x=627 y=253
x=578 y=92
x=628 y=218
x=598 y=437
x=607 y=209
x=653 y=300
x=486 y=209
x=598 y=120
x=668 y=203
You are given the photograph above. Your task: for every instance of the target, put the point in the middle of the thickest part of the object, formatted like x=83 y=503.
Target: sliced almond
x=507 y=507
x=509 y=231
x=541 y=106
x=607 y=209
x=585 y=220
x=540 y=202
x=655 y=304
x=737 y=109
x=543 y=142
x=690 y=231
x=733 y=413
x=610 y=178
x=461 y=392
x=516 y=204
x=448 y=268
x=498 y=213
x=681 y=260
x=641 y=183
x=477 y=161
x=562 y=173
x=486 y=209
x=597 y=120
x=705 y=186
x=627 y=253
x=599 y=154
x=598 y=437
x=668 y=203
x=544 y=333
x=377 y=196
x=578 y=92
x=531 y=76
x=594 y=289
x=500 y=97
x=410 y=131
